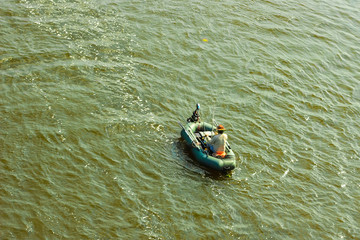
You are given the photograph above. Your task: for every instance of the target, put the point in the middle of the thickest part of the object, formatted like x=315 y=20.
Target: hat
x=220 y=128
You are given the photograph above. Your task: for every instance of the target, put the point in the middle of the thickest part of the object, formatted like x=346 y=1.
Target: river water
x=92 y=93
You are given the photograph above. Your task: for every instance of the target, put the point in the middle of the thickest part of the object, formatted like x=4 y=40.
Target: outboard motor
x=196 y=114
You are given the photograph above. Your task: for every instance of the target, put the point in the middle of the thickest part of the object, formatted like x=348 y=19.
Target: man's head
x=220 y=129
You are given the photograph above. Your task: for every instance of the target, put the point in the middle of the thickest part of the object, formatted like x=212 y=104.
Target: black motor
x=196 y=114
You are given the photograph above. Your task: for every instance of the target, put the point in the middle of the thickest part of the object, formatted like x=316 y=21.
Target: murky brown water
x=91 y=96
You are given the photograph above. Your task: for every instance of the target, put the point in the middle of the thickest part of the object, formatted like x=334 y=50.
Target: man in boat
x=196 y=114
x=218 y=142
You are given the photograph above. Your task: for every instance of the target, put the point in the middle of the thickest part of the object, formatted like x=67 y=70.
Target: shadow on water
x=182 y=152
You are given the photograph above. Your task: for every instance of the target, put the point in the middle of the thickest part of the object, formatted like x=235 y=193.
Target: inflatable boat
x=197 y=134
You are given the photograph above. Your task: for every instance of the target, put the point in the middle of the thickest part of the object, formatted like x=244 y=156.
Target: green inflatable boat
x=195 y=134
